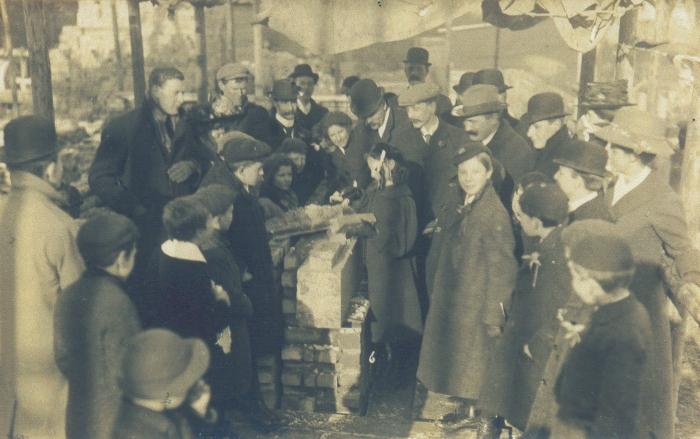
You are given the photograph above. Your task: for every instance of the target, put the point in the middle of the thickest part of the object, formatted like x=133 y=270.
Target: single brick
x=266 y=376
x=266 y=361
x=289 y=279
x=292 y=377
x=289 y=306
x=292 y=260
x=270 y=398
x=328 y=380
x=310 y=377
x=292 y=353
x=298 y=402
x=327 y=354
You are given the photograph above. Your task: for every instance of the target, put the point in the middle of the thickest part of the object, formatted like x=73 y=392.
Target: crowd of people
x=520 y=267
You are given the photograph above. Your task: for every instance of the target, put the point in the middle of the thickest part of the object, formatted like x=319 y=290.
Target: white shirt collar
x=385 y=123
x=578 y=202
x=430 y=128
x=490 y=137
x=304 y=108
x=184 y=250
x=284 y=122
x=624 y=185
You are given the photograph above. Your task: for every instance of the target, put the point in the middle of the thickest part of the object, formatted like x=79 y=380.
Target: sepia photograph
x=338 y=219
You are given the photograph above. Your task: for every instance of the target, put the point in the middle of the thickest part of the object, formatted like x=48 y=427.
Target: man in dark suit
x=283 y=120
x=309 y=112
x=147 y=157
x=416 y=67
x=546 y=129
x=581 y=176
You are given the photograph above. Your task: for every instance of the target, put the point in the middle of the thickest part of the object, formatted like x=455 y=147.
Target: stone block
x=325 y=400
x=350 y=358
x=309 y=353
x=292 y=377
x=350 y=338
x=327 y=354
x=289 y=279
x=289 y=306
x=266 y=361
x=310 y=377
x=347 y=400
x=292 y=260
x=299 y=335
x=293 y=353
x=328 y=380
x=299 y=401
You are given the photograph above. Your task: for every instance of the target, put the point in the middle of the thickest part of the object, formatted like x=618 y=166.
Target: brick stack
x=323 y=342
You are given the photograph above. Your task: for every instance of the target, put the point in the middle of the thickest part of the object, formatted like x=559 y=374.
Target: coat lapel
x=386 y=138
x=640 y=196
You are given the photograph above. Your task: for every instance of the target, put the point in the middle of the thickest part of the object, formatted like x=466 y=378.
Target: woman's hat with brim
x=583 y=156
x=365 y=98
x=302 y=70
x=469 y=150
x=158 y=363
x=545 y=201
x=544 y=106
x=638 y=131
x=479 y=99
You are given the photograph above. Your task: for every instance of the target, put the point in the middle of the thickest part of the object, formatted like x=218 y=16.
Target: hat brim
x=459 y=88
x=614 y=135
x=313 y=76
x=476 y=110
x=606 y=106
x=408 y=61
x=577 y=167
x=527 y=119
x=364 y=113
x=197 y=366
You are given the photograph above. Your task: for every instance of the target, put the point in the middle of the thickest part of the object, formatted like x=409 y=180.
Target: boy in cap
x=165 y=396
x=38 y=261
x=546 y=129
x=94 y=318
x=599 y=387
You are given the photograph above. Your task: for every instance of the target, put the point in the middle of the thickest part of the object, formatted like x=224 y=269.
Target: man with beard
x=416 y=67
x=546 y=129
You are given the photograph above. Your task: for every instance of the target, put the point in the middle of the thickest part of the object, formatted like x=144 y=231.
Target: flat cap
x=293 y=145
x=232 y=71
x=417 y=93
x=29 y=138
x=241 y=149
x=335 y=118
x=603 y=252
x=284 y=90
x=479 y=99
x=102 y=236
x=545 y=201
x=468 y=150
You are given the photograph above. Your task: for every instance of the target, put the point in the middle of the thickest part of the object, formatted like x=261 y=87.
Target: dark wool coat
x=600 y=381
x=512 y=151
x=135 y=422
x=471 y=286
x=651 y=218
x=93 y=321
x=392 y=291
x=306 y=182
x=249 y=242
x=597 y=208
x=512 y=381
x=309 y=121
x=544 y=158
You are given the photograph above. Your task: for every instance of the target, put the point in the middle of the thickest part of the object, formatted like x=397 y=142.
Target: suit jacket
x=597 y=208
x=512 y=151
x=439 y=169
x=276 y=132
x=94 y=319
x=544 y=158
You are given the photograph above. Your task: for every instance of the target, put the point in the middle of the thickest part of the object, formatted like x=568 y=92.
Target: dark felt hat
x=492 y=77
x=347 y=84
x=102 y=236
x=284 y=90
x=293 y=145
x=545 y=201
x=479 y=99
x=417 y=55
x=603 y=252
x=583 y=156
x=543 y=106
x=304 y=70
x=469 y=150
x=465 y=81
x=158 y=364
x=365 y=98
x=639 y=131
x=29 y=138
x=245 y=148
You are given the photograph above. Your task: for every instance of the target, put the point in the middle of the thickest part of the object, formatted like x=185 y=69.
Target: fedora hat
x=365 y=98
x=28 y=139
x=605 y=95
x=492 y=77
x=583 y=156
x=417 y=55
x=304 y=70
x=465 y=81
x=543 y=106
x=638 y=131
x=284 y=90
x=479 y=99
x=158 y=363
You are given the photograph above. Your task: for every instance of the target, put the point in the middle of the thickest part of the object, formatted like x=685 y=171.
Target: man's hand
x=181 y=171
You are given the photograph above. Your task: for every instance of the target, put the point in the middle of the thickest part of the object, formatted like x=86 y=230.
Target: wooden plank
x=37 y=40
x=200 y=29
x=137 y=62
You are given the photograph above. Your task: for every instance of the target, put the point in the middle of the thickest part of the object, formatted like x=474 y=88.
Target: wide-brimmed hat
x=304 y=70
x=493 y=77
x=417 y=93
x=639 y=131
x=29 y=138
x=605 y=95
x=583 y=156
x=365 y=98
x=417 y=55
x=479 y=99
x=158 y=363
x=284 y=90
x=544 y=106
x=468 y=150
x=465 y=81
x=232 y=71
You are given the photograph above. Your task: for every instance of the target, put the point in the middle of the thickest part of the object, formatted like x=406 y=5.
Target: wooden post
x=201 y=31
x=117 y=46
x=586 y=74
x=497 y=49
x=12 y=67
x=35 y=27
x=137 y=63
x=230 y=32
x=258 y=50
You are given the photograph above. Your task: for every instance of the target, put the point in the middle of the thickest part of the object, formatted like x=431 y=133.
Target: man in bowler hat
x=416 y=67
x=283 y=121
x=309 y=112
x=546 y=129
x=38 y=261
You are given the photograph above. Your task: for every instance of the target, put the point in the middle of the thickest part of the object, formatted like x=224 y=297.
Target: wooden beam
x=9 y=52
x=586 y=74
x=258 y=50
x=137 y=62
x=230 y=32
x=37 y=44
x=200 y=30
x=117 y=45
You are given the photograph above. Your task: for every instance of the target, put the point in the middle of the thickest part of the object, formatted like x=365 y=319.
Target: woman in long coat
x=471 y=280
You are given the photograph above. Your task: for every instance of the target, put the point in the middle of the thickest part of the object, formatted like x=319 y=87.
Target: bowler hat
x=469 y=150
x=347 y=84
x=304 y=70
x=465 y=81
x=102 y=236
x=492 y=77
x=639 y=131
x=583 y=156
x=543 y=106
x=244 y=148
x=365 y=98
x=479 y=99
x=603 y=252
x=284 y=90
x=417 y=93
x=417 y=55
x=29 y=138
x=232 y=71
x=545 y=201
x=159 y=364
x=293 y=145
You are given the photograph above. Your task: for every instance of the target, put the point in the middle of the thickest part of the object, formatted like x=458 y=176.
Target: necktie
x=427 y=137
x=170 y=128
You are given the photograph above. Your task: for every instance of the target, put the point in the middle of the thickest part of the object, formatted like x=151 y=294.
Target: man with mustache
x=416 y=67
x=283 y=123
x=547 y=130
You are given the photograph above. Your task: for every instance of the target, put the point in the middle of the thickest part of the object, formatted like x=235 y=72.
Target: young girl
x=277 y=187
x=392 y=290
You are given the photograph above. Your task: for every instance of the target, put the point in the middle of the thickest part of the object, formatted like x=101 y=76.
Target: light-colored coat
x=39 y=259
